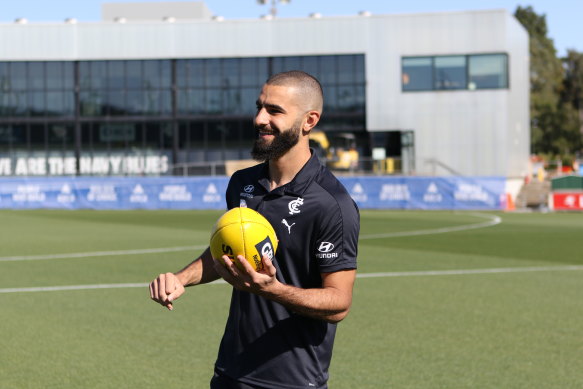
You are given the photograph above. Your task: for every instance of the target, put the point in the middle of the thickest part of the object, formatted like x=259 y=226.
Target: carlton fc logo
x=294 y=205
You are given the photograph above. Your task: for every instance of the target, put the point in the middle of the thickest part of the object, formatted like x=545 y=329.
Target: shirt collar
x=300 y=182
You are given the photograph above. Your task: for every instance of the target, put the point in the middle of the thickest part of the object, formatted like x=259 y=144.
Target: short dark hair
x=309 y=86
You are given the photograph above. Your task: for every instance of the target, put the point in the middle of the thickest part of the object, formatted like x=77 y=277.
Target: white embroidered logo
x=325 y=247
x=287 y=225
x=249 y=188
x=294 y=205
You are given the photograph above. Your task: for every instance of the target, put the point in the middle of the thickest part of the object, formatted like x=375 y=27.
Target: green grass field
x=443 y=300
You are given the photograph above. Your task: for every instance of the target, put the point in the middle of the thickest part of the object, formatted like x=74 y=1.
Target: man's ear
x=312 y=118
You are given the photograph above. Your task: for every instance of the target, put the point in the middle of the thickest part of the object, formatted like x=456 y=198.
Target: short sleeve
x=337 y=242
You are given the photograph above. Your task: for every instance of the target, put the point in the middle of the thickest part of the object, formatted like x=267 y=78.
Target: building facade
x=446 y=93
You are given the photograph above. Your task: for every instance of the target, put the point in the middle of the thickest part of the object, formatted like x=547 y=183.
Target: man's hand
x=165 y=289
x=247 y=279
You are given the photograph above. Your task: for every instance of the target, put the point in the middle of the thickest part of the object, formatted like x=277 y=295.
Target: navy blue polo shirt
x=317 y=225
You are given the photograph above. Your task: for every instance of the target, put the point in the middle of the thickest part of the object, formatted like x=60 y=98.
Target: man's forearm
x=327 y=303
x=199 y=271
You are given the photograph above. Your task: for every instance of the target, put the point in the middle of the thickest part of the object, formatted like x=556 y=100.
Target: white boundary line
x=363 y=275
x=492 y=221
x=100 y=253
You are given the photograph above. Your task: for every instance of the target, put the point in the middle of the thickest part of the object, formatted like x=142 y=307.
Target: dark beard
x=281 y=144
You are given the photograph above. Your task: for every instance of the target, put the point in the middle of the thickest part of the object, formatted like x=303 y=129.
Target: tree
x=573 y=84
x=554 y=122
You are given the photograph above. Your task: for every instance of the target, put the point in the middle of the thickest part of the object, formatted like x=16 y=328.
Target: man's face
x=278 y=123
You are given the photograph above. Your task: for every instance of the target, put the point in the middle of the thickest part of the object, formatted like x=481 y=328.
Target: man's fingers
x=170 y=285
x=245 y=263
x=165 y=289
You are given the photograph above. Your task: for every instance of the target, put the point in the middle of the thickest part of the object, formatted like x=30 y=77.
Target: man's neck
x=285 y=168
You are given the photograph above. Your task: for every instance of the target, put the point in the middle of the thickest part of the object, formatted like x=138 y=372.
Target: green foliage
x=556 y=97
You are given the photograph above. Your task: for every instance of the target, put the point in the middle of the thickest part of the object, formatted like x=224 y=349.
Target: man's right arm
x=169 y=286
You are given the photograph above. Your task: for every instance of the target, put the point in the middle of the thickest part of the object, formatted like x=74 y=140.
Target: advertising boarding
x=453 y=193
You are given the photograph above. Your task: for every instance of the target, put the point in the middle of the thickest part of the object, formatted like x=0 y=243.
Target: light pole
x=273 y=10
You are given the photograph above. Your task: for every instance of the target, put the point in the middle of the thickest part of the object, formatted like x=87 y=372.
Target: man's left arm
x=330 y=303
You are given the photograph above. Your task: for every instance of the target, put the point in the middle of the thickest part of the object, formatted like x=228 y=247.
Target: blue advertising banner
x=456 y=193
x=114 y=193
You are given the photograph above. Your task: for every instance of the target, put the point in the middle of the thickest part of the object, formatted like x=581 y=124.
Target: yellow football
x=243 y=231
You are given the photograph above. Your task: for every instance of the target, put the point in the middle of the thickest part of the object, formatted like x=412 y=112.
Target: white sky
x=563 y=16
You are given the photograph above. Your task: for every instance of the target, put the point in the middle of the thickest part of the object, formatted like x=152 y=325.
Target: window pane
x=359 y=69
x=249 y=73
x=36 y=75
x=98 y=75
x=346 y=69
x=292 y=63
x=213 y=73
x=329 y=71
x=55 y=75
x=196 y=73
x=488 y=71
x=311 y=66
x=60 y=103
x=36 y=103
x=18 y=76
x=4 y=77
x=450 y=72
x=152 y=74
x=68 y=74
x=133 y=75
x=165 y=73
x=417 y=74
x=231 y=72
x=115 y=75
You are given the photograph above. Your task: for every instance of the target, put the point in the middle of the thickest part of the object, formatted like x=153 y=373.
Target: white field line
x=363 y=275
x=492 y=221
x=101 y=253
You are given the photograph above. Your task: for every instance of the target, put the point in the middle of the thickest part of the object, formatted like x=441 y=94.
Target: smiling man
x=282 y=319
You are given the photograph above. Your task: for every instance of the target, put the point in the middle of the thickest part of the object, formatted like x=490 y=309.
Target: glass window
x=133 y=75
x=60 y=103
x=60 y=135
x=311 y=66
x=68 y=74
x=488 y=71
x=165 y=74
x=4 y=77
x=55 y=76
x=346 y=69
x=329 y=70
x=249 y=72
x=213 y=101
x=330 y=98
x=347 y=101
x=417 y=74
x=213 y=73
x=115 y=74
x=91 y=103
x=359 y=69
x=98 y=74
x=196 y=73
x=293 y=63
x=18 y=75
x=231 y=68
x=36 y=75
x=152 y=74
x=450 y=72
x=277 y=65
